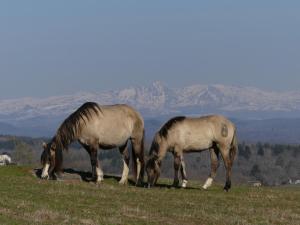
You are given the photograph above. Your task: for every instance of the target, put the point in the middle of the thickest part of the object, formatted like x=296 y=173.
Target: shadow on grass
x=84 y=176
x=169 y=186
x=71 y=174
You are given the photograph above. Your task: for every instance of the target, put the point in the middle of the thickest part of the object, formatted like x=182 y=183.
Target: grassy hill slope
x=27 y=200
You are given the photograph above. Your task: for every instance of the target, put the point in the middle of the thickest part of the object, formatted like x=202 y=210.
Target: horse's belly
x=196 y=139
x=113 y=140
x=197 y=145
x=108 y=135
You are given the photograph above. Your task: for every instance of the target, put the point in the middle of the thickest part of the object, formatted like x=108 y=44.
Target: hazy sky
x=64 y=46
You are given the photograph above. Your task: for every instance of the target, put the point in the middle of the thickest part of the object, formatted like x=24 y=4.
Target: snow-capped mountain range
x=158 y=99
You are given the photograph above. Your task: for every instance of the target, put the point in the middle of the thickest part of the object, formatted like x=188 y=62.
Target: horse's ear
x=44 y=145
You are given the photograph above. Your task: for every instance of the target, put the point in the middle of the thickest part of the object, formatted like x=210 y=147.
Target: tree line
x=271 y=164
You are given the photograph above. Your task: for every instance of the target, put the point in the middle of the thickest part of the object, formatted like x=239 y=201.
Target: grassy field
x=24 y=199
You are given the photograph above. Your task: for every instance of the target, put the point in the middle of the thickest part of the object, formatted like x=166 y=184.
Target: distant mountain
x=157 y=102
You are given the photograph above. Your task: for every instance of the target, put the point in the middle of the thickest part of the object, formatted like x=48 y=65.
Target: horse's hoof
x=45 y=177
x=123 y=182
x=227 y=186
x=59 y=176
x=96 y=179
x=184 y=183
x=139 y=184
x=98 y=183
x=59 y=179
x=226 y=189
x=175 y=184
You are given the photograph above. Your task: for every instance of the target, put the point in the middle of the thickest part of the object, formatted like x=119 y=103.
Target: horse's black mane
x=154 y=149
x=164 y=130
x=70 y=128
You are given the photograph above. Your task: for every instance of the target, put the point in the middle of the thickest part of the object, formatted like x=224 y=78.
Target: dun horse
x=95 y=126
x=180 y=134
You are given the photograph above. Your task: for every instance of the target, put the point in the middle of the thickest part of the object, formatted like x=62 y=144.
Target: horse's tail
x=138 y=158
x=234 y=147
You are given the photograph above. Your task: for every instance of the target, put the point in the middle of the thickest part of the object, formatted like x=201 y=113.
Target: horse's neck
x=60 y=143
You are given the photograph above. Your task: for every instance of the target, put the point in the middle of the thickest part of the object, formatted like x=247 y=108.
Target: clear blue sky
x=64 y=46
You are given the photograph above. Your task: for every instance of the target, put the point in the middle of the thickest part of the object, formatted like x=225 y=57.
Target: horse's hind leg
x=228 y=166
x=214 y=161
x=138 y=160
x=126 y=158
x=183 y=172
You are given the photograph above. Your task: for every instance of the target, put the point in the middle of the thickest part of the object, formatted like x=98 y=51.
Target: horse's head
x=153 y=171
x=153 y=163
x=48 y=159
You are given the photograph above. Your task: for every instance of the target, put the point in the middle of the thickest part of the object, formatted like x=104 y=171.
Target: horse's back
x=220 y=126
x=221 y=129
x=194 y=133
x=113 y=125
x=121 y=113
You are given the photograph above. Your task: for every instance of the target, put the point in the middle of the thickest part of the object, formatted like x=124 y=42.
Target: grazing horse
x=182 y=134
x=95 y=126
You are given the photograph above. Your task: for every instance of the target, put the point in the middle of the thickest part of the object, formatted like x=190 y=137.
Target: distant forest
x=271 y=164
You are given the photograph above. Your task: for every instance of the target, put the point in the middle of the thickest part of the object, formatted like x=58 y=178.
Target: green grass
x=25 y=199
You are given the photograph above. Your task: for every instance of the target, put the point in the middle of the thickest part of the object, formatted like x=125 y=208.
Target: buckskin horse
x=94 y=127
x=183 y=134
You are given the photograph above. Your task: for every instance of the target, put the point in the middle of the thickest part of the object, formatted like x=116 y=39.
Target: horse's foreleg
x=93 y=162
x=93 y=158
x=45 y=172
x=126 y=158
x=183 y=173
x=214 y=160
x=177 y=164
x=97 y=172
